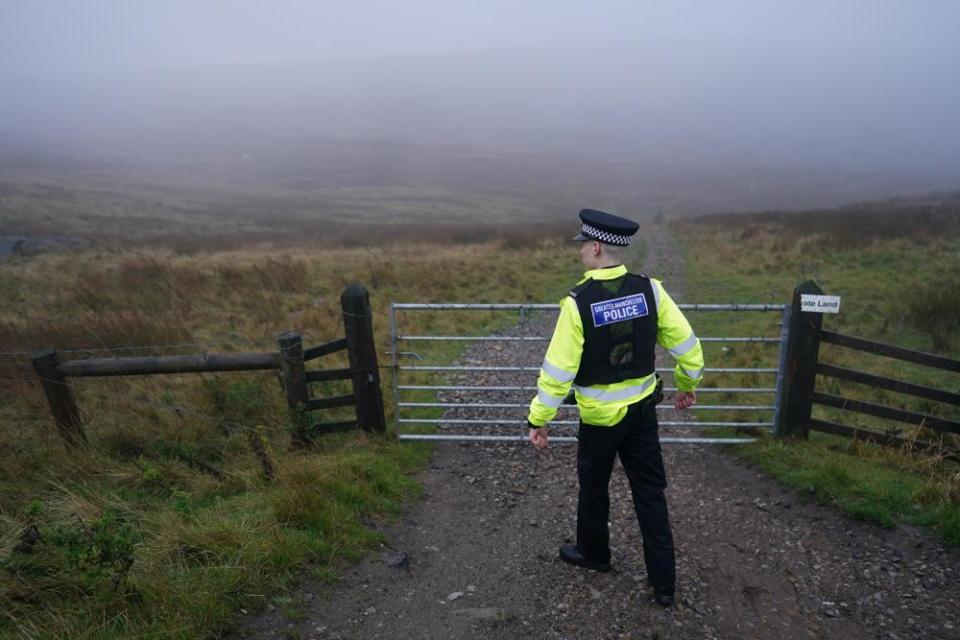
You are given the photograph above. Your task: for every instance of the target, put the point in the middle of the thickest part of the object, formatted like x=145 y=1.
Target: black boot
x=570 y=553
x=664 y=599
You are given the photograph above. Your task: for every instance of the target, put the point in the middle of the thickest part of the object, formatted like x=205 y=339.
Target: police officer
x=603 y=346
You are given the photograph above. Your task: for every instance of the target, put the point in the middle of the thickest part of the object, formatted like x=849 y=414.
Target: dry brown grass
x=170 y=491
x=853 y=226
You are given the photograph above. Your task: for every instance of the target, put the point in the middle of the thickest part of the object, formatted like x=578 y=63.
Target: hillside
x=264 y=188
x=166 y=522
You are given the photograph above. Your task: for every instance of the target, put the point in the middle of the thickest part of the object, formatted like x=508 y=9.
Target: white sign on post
x=819 y=304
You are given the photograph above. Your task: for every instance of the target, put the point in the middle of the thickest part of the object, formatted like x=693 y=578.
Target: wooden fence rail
x=290 y=359
x=803 y=367
x=154 y=365
x=907 y=388
x=891 y=351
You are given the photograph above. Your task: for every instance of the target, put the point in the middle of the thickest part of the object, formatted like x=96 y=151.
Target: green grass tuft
x=871 y=486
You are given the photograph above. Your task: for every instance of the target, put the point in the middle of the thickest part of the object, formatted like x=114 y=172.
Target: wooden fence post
x=802 y=351
x=295 y=385
x=358 y=323
x=60 y=397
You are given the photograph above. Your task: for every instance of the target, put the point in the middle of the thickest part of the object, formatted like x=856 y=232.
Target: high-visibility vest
x=619 y=319
x=605 y=404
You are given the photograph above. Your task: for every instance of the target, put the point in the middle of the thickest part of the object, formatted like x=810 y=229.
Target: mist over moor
x=694 y=106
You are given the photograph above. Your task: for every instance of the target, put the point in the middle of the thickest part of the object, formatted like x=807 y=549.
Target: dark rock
x=396 y=559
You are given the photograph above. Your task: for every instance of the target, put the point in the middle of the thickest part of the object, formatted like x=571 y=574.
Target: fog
x=857 y=87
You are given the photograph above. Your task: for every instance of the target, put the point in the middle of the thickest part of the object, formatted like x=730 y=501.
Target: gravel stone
x=395 y=559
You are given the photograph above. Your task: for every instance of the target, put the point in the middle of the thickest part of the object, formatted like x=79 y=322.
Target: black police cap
x=606 y=227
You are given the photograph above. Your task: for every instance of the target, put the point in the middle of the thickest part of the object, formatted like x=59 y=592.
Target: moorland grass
x=190 y=214
x=166 y=524
x=894 y=268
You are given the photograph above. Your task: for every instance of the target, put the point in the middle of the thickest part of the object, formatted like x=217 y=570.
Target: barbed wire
x=263 y=342
x=112 y=349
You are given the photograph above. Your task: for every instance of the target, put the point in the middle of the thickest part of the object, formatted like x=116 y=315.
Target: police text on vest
x=619 y=310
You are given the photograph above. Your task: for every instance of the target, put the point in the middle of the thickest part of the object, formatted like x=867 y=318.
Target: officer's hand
x=684 y=400
x=538 y=438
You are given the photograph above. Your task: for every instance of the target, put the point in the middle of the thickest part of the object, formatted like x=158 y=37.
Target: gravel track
x=755 y=560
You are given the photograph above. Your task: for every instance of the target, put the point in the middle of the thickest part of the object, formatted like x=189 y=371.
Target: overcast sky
x=855 y=84
x=44 y=35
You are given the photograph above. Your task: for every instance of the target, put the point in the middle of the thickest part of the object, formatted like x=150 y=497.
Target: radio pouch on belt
x=657 y=396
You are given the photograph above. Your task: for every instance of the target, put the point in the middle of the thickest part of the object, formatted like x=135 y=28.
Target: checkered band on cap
x=604 y=236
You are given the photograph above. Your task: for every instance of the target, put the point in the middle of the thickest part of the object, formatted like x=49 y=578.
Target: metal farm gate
x=456 y=396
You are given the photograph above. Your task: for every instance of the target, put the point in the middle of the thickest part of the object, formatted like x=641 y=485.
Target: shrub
x=101 y=549
x=934 y=308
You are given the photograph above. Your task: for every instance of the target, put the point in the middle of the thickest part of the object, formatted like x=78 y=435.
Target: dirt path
x=754 y=560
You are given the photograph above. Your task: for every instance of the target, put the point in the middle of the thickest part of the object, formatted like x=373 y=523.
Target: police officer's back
x=604 y=347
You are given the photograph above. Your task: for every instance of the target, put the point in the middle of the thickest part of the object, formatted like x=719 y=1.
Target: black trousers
x=636 y=440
